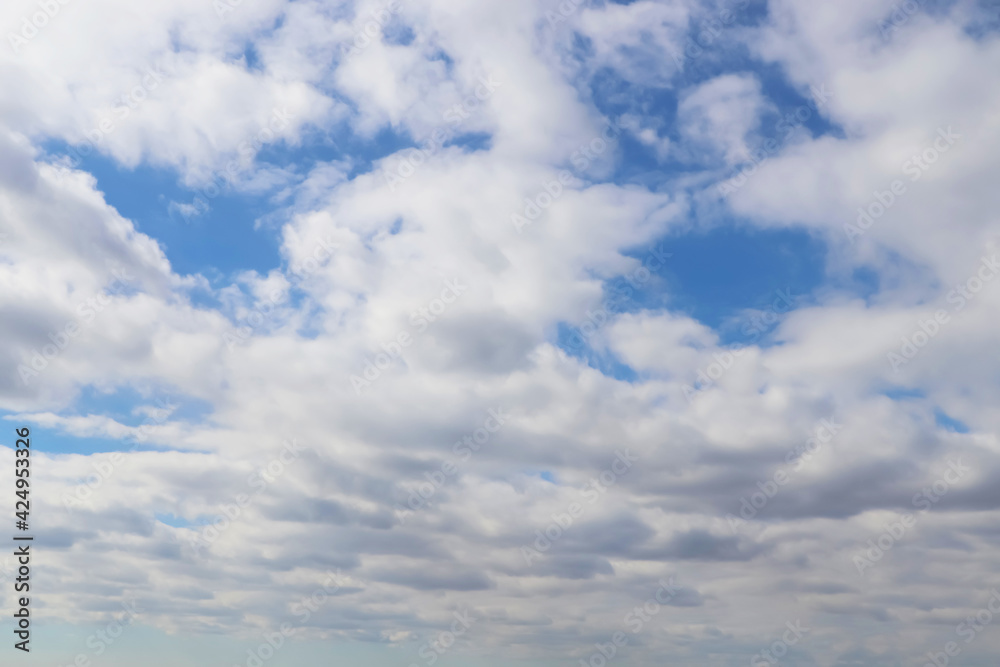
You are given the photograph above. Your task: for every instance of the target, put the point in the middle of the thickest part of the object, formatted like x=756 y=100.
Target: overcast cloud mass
x=522 y=332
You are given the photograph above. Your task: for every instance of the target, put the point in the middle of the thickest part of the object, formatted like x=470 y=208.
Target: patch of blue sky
x=313 y=326
x=725 y=277
x=656 y=105
x=985 y=23
x=336 y=144
x=443 y=56
x=149 y=196
x=250 y=58
x=143 y=195
x=55 y=441
x=397 y=33
x=866 y=282
x=545 y=475
x=120 y=405
x=715 y=275
x=190 y=231
x=578 y=344
x=793 y=107
x=949 y=423
x=471 y=141
x=904 y=394
x=174 y=521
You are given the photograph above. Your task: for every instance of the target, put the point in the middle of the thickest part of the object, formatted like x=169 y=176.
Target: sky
x=532 y=333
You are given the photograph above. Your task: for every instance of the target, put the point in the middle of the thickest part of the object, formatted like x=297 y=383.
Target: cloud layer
x=451 y=186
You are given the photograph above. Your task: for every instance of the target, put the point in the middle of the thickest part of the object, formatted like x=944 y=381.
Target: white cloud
x=716 y=116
